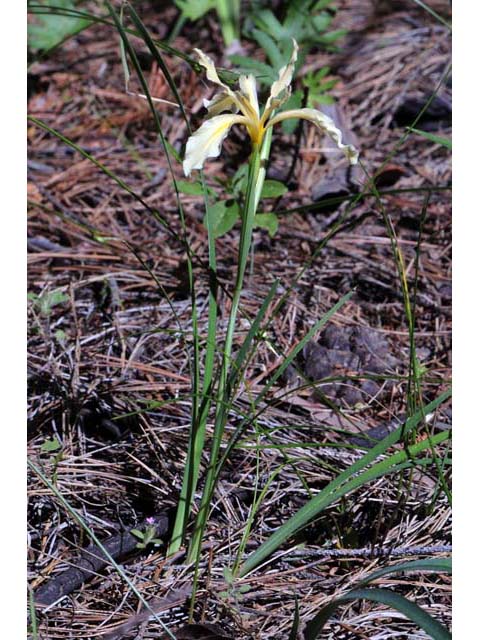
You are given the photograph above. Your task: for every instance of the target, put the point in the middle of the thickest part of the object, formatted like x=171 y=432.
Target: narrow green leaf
x=197 y=429
x=229 y=15
x=321 y=322
x=269 y=46
x=172 y=151
x=266 y=21
x=445 y=142
x=241 y=360
x=330 y=38
x=238 y=183
x=256 y=177
x=346 y=482
x=440 y=565
x=33 y=614
x=386 y=597
x=434 y=14
x=123 y=56
x=278 y=373
x=158 y=59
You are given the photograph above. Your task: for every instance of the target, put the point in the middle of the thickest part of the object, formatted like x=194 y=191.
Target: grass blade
x=445 y=142
x=346 y=482
x=241 y=361
x=440 y=565
x=40 y=9
x=434 y=14
x=288 y=360
x=197 y=418
x=33 y=614
x=386 y=597
x=158 y=59
x=255 y=172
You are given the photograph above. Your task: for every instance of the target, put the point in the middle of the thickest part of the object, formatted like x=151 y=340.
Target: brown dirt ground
x=112 y=343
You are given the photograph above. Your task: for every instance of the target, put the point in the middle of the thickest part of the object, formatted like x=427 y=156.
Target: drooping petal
x=207 y=141
x=249 y=89
x=280 y=88
x=324 y=123
x=222 y=101
x=240 y=99
x=209 y=66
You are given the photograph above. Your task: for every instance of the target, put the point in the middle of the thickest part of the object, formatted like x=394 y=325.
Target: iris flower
x=242 y=104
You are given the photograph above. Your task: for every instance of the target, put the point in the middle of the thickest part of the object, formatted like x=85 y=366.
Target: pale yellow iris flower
x=207 y=141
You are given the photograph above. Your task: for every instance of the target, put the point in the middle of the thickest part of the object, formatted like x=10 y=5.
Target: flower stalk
x=200 y=409
x=242 y=108
x=256 y=177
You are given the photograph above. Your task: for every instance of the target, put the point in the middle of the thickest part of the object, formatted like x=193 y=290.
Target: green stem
x=256 y=177
x=229 y=14
x=200 y=415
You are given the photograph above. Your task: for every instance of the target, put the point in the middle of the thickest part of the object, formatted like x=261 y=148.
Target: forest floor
x=108 y=373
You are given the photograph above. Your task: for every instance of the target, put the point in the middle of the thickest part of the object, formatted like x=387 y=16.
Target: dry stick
x=91 y=561
x=367 y=552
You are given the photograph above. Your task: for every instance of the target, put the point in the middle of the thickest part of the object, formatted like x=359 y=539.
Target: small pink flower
x=150 y=521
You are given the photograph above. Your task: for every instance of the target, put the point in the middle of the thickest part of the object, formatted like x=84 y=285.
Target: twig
x=90 y=562
x=368 y=552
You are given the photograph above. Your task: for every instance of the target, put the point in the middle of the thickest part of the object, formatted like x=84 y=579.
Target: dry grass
x=113 y=346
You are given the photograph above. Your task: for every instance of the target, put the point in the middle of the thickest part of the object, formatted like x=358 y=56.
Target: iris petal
x=282 y=84
x=249 y=90
x=236 y=97
x=324 y=123
x=222 y=101
x=209 y=66
x=207 y=141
